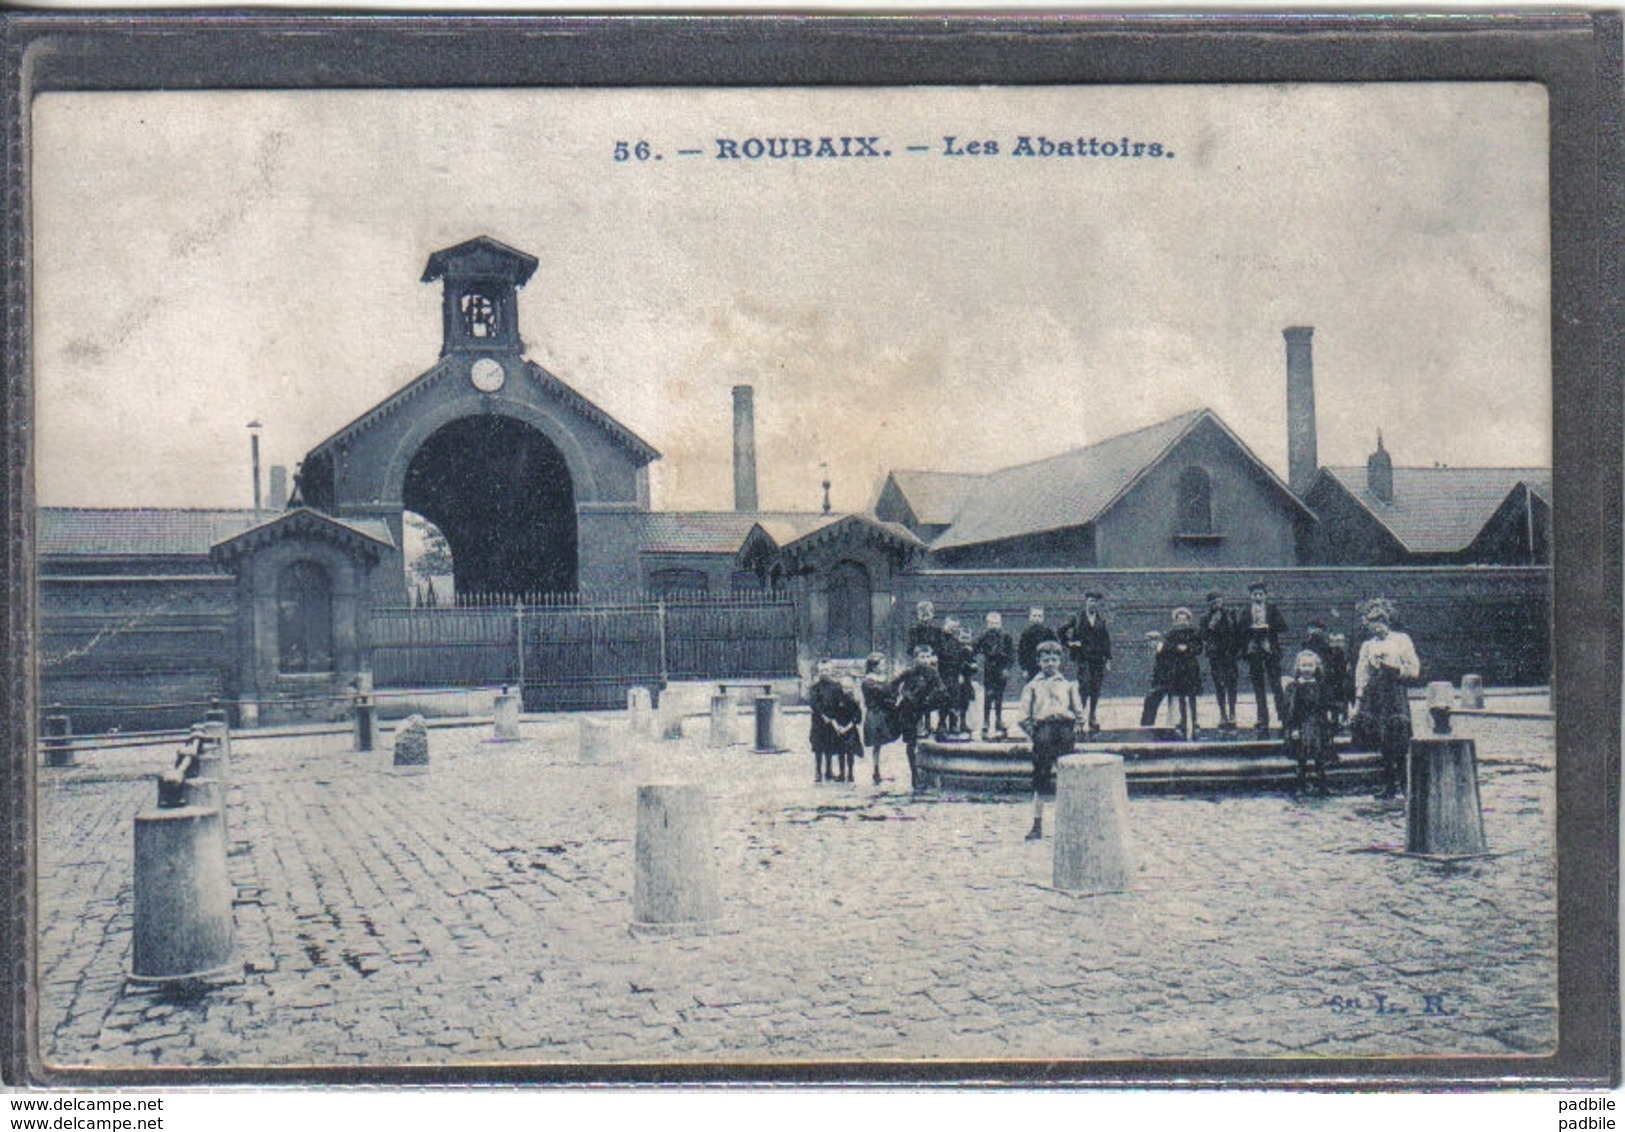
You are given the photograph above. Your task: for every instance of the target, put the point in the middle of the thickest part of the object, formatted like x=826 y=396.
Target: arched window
x=304 y=618
x=1195 y=502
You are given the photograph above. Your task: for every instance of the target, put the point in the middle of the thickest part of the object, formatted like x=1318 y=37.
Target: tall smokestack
x=744 y=448
x=1302 y=457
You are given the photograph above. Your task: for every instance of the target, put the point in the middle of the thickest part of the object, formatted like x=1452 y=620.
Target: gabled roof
x=894 y=535
x=713 y=532
x=1079 y=486
x=1440 y=510
x=795 y=534
x=482 y=255
x=365 y=537
x=547 y=384
x=934 y=497
x=101 y=532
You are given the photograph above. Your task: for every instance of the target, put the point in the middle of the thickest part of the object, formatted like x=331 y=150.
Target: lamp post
x=254 y=447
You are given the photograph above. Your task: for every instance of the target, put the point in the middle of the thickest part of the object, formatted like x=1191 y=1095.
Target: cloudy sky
x=205 y=259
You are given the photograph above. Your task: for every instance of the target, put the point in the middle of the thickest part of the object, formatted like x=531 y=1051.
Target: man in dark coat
x=1089 y=640
x=1219 y=633
x=1035 y=634
x=1260 y=636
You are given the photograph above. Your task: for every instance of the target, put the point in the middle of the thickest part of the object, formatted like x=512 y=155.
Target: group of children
x=1320 y=694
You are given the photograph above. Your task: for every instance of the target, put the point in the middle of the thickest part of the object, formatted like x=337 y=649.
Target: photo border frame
x=1575 y=55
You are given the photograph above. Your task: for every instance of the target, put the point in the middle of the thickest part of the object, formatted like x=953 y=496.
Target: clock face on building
x=487 y=375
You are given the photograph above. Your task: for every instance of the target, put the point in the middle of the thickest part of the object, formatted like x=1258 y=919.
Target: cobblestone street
x=479 y=914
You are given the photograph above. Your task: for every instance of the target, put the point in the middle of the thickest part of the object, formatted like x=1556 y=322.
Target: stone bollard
x=1472 y=692
x=54 y=736
x=183 y=927
x=1443 y=815
x=769 y=725
x=208 y=794
x=215 y=760
x=1092 y=852
x=505 y=717
x=594 y=740
x=724 y=718
x=639 y=712
x=671 y=715
x=1441 y=697
x=675 y=886
x=412 y=745
x=362 y=713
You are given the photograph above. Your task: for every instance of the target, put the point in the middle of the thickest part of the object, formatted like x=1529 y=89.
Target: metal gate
x=580 y=651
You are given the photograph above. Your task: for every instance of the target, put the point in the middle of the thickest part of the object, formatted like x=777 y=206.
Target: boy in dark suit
x=915 y=694
x=1035 y=634
x=996 y=650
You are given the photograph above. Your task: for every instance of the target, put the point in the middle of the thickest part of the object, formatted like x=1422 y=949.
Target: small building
x=1184 y=492
x=1381 y=515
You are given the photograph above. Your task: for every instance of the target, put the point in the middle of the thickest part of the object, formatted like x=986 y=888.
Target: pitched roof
x=895 y=534
x=366 y=536
x=548 y=385
x=1061 y=491
x=716 y=532
x=1441 y=510
x=934 y=497
x=486 y=253
x=98 y=532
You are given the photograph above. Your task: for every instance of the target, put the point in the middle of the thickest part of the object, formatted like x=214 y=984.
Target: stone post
x=769 y=725
x=362 y=709
x=54 y=735
x=505 y=717
x=1443 y=815
x=675 y=885
x=1441 y=697
x=639 y=713
x=671 y=715
x=724 y=718
x=412 y=745
x=594 y=740
x=1092 y=853
x=1472 y=692
x=183 y=927
x=216 y=758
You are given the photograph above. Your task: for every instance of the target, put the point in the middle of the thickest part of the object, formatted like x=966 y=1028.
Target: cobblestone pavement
x=479 y=914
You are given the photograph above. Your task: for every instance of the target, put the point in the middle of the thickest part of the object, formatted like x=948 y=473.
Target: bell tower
x=480 y=305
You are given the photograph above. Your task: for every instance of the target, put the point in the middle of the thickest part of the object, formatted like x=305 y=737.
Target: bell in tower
x=480 y=307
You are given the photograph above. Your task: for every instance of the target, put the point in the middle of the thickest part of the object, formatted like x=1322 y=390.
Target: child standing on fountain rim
x=1050 y=710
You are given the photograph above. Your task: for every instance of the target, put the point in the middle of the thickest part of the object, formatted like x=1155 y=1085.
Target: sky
x=204 y=259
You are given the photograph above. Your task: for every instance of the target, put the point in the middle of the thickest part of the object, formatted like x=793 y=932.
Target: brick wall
x=1494 y=621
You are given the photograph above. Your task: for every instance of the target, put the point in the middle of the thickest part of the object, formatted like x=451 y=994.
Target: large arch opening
x=501 y=493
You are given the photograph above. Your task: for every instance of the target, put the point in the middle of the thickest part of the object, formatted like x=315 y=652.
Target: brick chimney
x=1303 y=460
x=1379 y=473
x=744 y=448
